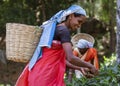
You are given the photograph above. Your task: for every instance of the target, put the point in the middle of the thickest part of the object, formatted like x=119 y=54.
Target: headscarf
x=49 y=28
x=82 y=43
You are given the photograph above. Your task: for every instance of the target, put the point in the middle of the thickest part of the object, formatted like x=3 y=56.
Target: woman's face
x=76 y=22
x=83 y=50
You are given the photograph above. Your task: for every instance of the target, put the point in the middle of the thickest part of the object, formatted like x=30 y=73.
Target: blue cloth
x=83 y=43
x=49 y=29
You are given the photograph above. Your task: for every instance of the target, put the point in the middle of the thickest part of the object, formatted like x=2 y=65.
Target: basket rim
x=79 y=36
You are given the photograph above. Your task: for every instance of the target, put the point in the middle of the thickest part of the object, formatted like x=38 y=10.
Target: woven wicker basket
x=21 y=41
x=79 y=36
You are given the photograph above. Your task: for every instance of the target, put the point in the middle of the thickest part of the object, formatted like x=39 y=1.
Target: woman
x=85 y=51
x=47 y=69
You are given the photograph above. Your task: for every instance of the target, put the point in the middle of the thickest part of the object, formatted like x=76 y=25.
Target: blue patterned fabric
x=49 y=29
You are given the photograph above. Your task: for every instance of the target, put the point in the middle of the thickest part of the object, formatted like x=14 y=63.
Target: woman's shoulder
x=93 y=49
x=63 y=30
x=62 y=27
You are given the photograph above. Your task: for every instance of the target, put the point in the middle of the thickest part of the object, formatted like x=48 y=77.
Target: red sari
x=48 y=71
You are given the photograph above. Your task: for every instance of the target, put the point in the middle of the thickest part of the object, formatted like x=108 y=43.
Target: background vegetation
x=109 y=75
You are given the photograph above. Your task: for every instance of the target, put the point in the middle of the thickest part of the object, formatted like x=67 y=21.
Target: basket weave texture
x=79 y=36
x=21 y=41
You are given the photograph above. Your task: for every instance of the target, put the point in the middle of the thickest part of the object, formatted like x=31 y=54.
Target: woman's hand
x=93 y=70
x=86 y=72
x=89 y=75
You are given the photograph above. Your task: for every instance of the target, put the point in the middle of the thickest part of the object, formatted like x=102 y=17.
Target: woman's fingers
x=94 y=71
x=89 y=75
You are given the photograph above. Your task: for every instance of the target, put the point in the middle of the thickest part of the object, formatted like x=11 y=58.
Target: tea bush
x=109 y=75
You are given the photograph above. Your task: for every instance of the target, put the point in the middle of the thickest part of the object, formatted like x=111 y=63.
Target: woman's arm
x=69 y=65
x=84 y=70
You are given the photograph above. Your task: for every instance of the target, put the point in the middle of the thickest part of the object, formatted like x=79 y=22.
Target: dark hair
x=77 y=15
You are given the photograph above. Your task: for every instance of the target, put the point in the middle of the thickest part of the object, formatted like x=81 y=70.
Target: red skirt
x=48 y=71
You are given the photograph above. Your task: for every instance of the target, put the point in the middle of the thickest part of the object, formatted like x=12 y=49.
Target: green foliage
x=15 y=11
x=109 y=75
x=25 y=11
x=53 y=6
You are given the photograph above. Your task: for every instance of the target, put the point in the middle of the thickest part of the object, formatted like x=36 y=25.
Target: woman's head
x=83 y=45
x=73 y=17
x=75 y=20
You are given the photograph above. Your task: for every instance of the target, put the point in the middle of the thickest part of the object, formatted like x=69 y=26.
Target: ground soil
x=9 y=72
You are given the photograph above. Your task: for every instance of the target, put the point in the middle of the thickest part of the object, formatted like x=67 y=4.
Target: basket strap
x=45 y=40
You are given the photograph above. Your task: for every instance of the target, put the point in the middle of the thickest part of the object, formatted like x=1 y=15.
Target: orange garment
x=90 y=55
x=48 y=71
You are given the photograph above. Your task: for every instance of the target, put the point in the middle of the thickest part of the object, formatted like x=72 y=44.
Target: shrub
x=109 y=75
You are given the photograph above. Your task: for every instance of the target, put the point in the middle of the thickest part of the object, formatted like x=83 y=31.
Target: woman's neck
x=63 y=24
